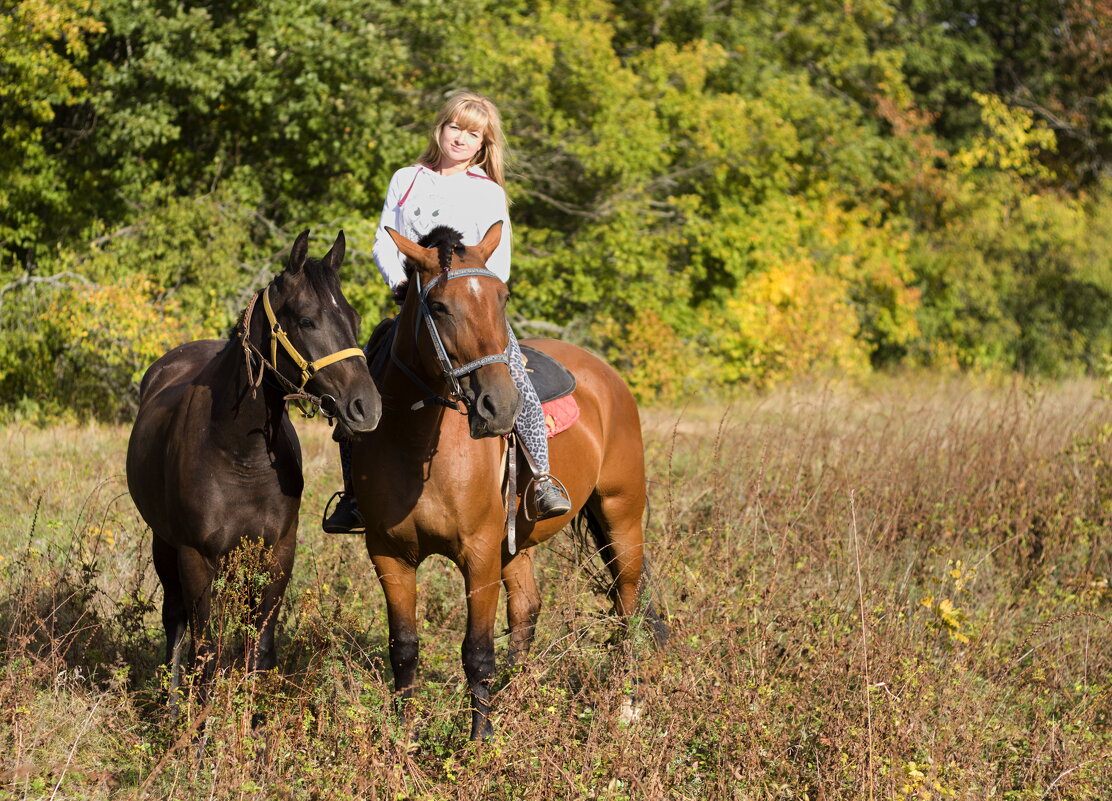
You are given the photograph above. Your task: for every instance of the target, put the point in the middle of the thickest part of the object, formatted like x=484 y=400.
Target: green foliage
x=1019 y=283
x=826 y=288
x=763 y=190
x=1010 y=144
x=42 y=44
x=290 y=97
x=1016 y=279
x=80 y=340
x=83 y=348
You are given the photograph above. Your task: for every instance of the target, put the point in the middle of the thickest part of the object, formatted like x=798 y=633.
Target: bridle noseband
x=308 y=369
x=451 y=375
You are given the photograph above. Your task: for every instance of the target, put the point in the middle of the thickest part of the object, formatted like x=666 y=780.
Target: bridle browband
x=308 y=369
x=451 y=375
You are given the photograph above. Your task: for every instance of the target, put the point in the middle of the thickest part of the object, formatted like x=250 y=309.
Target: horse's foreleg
x=174 y=617
x=523 y=604
x=399 y=583
x=264 y=654
x=196 y=573
x=481 y=578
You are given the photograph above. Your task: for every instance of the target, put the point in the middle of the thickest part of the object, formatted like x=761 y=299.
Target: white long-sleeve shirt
x=418 y=200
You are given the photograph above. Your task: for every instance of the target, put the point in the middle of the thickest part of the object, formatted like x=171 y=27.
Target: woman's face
x=458 y=145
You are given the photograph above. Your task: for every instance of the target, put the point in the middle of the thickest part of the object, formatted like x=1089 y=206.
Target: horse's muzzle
x=493 y=413
x=355 y=416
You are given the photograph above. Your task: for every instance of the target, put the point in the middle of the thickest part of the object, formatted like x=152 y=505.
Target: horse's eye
x=306 y=323
x=438 y=308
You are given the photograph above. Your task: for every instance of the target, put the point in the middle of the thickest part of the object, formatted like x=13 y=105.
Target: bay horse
x=429 y=480
x=214 y=461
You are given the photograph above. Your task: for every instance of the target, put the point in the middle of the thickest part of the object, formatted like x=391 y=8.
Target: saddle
x=550 y=379
x=554 y=384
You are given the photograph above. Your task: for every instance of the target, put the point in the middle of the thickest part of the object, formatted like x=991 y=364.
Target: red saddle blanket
x=560 y=414
x=554 y=385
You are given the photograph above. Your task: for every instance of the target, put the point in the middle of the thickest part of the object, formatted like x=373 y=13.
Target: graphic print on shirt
x=423 y=223
x=426 y=214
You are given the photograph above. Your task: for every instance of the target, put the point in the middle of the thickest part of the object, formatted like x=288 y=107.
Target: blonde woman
x=458 y=182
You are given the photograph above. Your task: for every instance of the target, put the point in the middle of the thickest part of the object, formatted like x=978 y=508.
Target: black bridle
x=450 y=375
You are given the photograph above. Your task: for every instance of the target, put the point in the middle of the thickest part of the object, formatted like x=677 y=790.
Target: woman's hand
x=399 y=292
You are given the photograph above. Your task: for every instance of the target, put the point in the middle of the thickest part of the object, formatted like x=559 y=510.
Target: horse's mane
x=446 y=240
x=319 y=277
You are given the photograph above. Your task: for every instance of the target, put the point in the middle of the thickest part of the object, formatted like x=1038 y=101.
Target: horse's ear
x=335 y=255
x=298 y=253
x=490 y=241
x=426 y=257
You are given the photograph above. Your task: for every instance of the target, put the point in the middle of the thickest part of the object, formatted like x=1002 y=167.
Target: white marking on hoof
x=631 y=712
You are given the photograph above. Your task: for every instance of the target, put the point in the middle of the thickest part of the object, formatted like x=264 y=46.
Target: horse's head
x=463 y=306
x=323 y=355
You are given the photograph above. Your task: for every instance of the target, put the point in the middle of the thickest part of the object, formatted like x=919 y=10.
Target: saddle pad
x=550 y=378
x=559 y=415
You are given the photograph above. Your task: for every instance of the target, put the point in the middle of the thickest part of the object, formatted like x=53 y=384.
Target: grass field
x=895 y=592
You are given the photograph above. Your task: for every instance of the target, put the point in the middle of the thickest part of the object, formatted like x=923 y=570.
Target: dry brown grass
x=898 y=591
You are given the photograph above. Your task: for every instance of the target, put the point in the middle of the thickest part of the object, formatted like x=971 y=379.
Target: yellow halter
x=308 y=369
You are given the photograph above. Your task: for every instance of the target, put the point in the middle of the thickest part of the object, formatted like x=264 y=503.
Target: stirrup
x=558 y=499
x=345 y=518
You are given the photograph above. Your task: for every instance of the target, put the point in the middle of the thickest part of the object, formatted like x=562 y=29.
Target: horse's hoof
x=481 y=731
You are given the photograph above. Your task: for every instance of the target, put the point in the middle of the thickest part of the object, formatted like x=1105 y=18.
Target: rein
x=451 y=375
x=308 y=369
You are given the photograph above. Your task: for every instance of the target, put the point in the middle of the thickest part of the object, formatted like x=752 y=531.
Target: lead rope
x=255 y=379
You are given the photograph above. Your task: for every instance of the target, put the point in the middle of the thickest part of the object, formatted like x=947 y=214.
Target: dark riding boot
x=345 y=518
x=551 y=499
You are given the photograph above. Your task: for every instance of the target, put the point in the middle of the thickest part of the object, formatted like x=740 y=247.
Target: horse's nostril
x=357 y=411
x=487 y=408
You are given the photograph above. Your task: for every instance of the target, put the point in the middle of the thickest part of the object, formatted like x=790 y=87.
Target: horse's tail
x=586 y=519
x=604 y=548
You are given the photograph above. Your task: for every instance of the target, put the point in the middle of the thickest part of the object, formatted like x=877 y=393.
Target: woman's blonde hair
x=476 y=113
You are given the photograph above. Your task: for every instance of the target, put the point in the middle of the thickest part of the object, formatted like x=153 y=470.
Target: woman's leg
x=551 y=500
x=345 y=466
x=345 y=518
x=530 y=422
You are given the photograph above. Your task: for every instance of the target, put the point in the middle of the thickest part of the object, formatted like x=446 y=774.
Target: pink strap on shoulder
x=484 y=177
x=411 y=183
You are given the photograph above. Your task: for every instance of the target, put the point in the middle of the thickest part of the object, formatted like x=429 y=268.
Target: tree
x=42 y=47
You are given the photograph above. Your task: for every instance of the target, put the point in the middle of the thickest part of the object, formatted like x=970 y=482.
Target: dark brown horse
x=429 y=481
x=214 y=460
